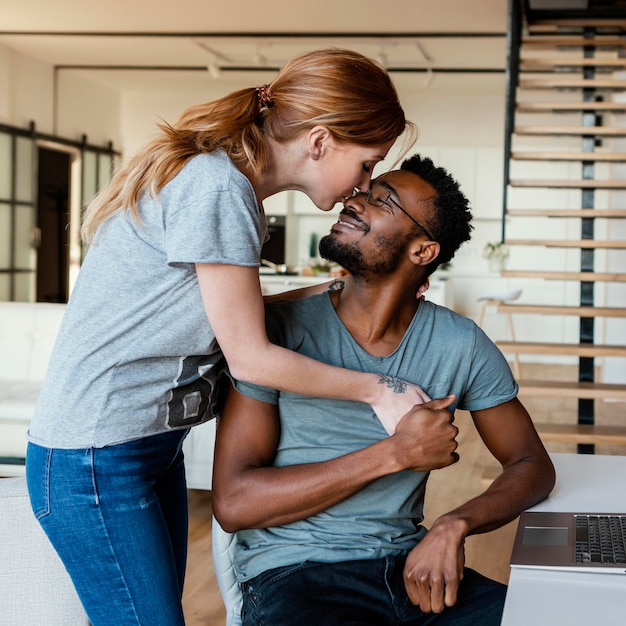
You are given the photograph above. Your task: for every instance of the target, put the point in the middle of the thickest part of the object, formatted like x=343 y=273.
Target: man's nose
x=356 y=201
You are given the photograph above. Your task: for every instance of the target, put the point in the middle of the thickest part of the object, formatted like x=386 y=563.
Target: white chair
x=223 y=551
x=494 y=299
x=35 y=589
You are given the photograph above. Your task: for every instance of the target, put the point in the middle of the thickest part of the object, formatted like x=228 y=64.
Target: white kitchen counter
x=272 y=284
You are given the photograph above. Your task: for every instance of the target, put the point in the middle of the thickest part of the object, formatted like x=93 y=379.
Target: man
x=326 y=506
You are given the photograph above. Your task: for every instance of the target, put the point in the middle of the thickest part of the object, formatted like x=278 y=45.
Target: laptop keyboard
x=600 y=538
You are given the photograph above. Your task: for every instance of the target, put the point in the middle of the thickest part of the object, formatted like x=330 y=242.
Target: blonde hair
x=343 y=90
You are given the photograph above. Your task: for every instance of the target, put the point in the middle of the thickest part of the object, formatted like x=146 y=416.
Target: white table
x=585 y=483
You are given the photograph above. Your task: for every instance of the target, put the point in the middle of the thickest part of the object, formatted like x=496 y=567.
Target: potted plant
x=497 y=252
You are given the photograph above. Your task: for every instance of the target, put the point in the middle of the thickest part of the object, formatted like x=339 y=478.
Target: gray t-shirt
x=135 y=354
x=441 y=351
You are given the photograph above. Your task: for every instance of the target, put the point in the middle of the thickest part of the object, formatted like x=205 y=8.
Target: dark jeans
x=117 y=516
x=355 y=593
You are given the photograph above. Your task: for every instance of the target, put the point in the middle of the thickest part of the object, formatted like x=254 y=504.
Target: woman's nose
x=365 y=181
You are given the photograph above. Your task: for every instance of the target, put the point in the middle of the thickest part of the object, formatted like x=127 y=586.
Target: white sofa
x=27 y=334
x=35 y=589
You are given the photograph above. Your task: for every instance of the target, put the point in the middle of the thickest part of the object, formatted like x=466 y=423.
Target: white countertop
x=438 y=291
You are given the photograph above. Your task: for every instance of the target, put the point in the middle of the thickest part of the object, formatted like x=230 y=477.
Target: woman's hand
x=397 y=398
x=423 y=289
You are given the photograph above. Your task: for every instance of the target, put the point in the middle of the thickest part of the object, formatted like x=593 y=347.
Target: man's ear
x=423 y=252
x=319 y=139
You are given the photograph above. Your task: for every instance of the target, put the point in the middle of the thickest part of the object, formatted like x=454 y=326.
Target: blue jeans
x=354 y=593
x=118 y=517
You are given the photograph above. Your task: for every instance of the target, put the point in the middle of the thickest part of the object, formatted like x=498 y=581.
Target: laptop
x=589 y=542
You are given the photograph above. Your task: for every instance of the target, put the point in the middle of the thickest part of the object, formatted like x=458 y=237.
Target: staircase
x=564 y=202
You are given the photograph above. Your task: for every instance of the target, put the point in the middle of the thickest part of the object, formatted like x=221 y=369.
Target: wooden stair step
x=579 y=276
x=562 y=389
x=568 y=349
x=600 y=131
x=571 y=83
x=532 y=107
x=574 y=62
x=573 y=41
x=579 y=213
x=527 y=155
x=557 y=24
x=581 y=433
x=584 y=183
x=579 y=311
x=588 y=244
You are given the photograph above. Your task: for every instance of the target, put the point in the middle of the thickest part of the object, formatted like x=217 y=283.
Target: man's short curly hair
x=451 y=216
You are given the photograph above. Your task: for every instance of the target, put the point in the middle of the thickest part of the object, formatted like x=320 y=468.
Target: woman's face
x=341 y=168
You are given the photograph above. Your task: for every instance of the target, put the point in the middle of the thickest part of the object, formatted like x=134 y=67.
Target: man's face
x=370 y=239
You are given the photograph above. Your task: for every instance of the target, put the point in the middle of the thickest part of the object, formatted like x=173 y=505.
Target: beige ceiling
x=144 y=44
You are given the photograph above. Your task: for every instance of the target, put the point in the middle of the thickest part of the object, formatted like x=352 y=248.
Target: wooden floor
x=446 y=489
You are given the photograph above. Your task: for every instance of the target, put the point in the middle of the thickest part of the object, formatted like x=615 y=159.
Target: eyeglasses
x=380 y=197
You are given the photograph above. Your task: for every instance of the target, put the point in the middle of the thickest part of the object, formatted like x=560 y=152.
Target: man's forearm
x=434 y=568
x=519 y=486
x=262 y=497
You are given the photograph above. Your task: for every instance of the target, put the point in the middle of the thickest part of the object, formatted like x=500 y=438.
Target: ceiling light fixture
x=259 y=58
x=214 y=70
x=382 y=57
x=429 y=64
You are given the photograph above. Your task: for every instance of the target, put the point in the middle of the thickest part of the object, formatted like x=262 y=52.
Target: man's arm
x=248 y=492
x=435 y=566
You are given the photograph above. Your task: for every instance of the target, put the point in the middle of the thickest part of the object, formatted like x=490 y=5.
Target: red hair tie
x=264 y=94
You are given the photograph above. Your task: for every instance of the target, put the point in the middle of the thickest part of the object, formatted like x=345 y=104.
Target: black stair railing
x=514 y=40
x=520 y=15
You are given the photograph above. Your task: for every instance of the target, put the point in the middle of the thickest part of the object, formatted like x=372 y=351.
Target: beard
x=384 y=260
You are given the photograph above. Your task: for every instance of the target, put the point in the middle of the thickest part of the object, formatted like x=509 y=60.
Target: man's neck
x=376 y=315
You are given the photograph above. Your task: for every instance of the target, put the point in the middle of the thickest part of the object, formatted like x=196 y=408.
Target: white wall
x=26 y=91
x=83 y=107
x=87 y=107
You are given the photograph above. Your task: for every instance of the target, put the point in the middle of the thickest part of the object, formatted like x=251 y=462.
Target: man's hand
x=425 y=438
x=434 y=568
x=397 y=397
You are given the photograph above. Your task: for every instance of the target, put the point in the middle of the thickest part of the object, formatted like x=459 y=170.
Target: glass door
x=45 y=183
x=17 y=217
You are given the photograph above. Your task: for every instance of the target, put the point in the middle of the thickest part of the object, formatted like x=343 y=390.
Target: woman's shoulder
x=207 y=173
x=215 y=169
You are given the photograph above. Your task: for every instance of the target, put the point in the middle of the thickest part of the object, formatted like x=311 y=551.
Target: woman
x=176 y=240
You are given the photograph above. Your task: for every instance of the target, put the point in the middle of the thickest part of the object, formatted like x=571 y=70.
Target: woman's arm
x=234 y=306
x=305 y=292
x=332 y=285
